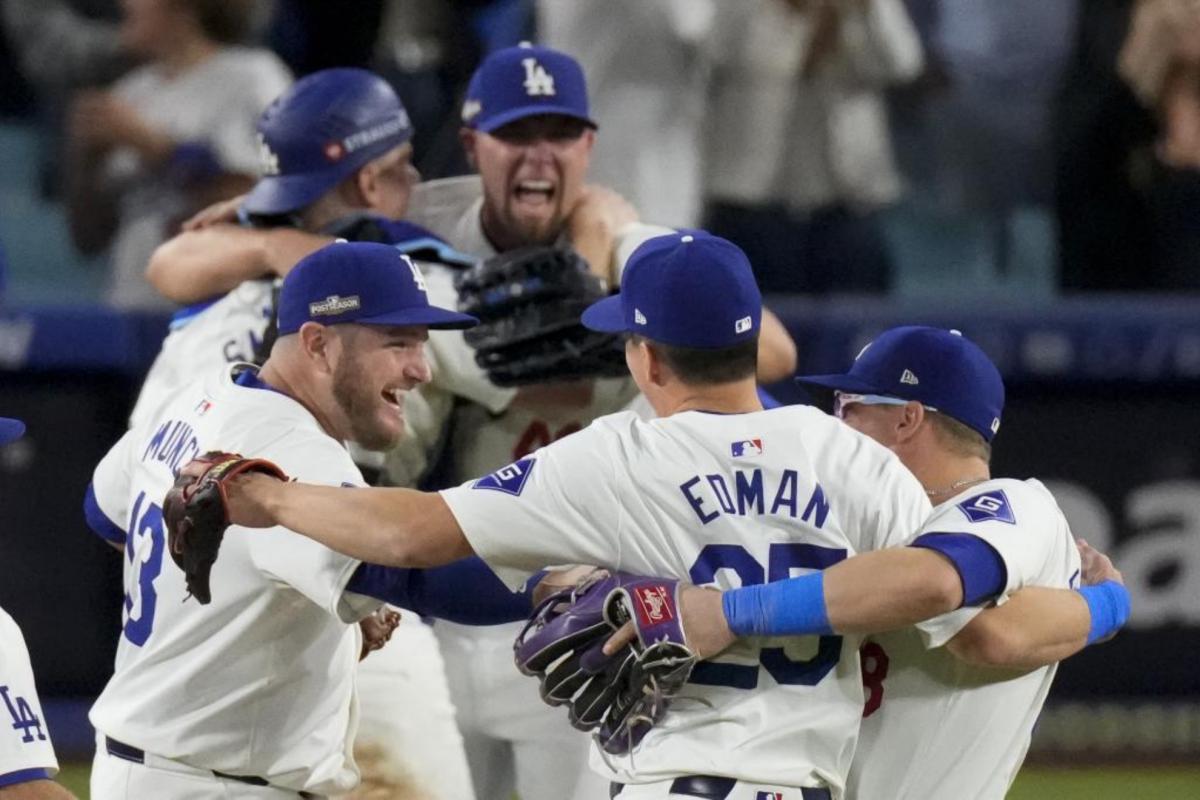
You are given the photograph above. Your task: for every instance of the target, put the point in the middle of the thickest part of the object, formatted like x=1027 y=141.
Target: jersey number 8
x=782 y=558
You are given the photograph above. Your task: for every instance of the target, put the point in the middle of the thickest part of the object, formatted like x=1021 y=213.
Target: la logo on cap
x=538 y=82
x=418 y=278
x=268 y=162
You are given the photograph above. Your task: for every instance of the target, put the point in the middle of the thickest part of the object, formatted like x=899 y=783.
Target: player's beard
x=361 y=403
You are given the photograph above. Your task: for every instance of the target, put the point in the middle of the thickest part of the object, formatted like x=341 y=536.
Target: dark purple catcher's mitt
x=621 y=696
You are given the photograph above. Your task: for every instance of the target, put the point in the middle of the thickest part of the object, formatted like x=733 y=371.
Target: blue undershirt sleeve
x=980 y=568
x=467 y=591
x=99 y=522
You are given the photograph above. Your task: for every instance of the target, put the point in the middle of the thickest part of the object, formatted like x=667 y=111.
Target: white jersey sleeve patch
x=24 y=737
x=522 y=517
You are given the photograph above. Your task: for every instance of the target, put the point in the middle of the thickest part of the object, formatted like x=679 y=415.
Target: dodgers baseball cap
x=319 y=132
x=361 y=282
x=688 y=289
x=10 y=429
x=938 y=368
x=525 y=81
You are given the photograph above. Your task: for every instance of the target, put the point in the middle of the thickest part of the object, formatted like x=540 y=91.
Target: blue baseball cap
x=319 y=132
x=364 y=283
x=937 y=368
x=525 y=81
x=688 y=289
x=10 y=429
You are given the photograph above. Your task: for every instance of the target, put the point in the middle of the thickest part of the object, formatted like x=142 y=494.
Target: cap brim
x=838 y=383
x=514 y=114
x=438 y=319
x=10 y=429
x=606 y=316
x=279 y=194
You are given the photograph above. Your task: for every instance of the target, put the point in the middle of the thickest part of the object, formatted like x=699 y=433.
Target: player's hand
x=556 y=580
x=223 y=212
x=704 y=626
x=377 y=629
x=1095 y=566
x=593 y=225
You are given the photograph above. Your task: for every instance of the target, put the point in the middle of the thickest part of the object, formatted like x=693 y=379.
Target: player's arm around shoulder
x=1039 y=625
x=208 y=261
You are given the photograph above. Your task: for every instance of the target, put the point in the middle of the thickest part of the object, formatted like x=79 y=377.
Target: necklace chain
x=955 y=486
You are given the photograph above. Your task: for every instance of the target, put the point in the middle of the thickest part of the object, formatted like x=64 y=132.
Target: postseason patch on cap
x=510 y=479
x=333 y=305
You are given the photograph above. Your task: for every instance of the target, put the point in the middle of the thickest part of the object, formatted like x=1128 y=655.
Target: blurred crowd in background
x=911 y=148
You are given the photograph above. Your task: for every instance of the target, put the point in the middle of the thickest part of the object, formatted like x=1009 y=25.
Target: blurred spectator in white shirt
x=170 y=137
x=647 y=78
x=799 y=152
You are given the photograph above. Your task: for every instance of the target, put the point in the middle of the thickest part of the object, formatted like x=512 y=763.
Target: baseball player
x=335 y=152
x=253 y=695
x=528 y=131
x=27 y=762
x=715 y=490
x=936 y=725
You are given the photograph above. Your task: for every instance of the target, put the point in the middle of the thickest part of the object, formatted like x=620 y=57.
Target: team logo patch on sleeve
x=991 y=505
x=510 y=479
x=746 y=447
x=768 y=796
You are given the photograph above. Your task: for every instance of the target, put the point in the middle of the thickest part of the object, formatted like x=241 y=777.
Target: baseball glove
x=528 y=302
x=621 y=696
x=196 y=513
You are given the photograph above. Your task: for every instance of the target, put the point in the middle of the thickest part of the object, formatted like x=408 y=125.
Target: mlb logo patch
x=510 y=479
x=769 y=796
x=653 y=606
x=203 y=407
x=991 y=505
x=746 y=447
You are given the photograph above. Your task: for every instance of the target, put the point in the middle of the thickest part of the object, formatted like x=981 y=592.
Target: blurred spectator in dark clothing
x=171 y=137
x=311 y=35
x=799 y=153
x=1128 y=171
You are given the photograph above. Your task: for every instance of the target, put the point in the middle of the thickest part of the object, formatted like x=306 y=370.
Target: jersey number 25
x=782 y=558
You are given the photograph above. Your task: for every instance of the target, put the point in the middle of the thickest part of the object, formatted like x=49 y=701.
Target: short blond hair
x=960 y=439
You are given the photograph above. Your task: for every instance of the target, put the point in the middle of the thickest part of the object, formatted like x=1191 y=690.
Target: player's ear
x=316 y=342
x=467 y=137
x=909 y=421
x=656 y=369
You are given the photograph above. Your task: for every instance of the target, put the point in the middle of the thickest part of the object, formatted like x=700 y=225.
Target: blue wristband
x=1109 y=604
x=791 y=607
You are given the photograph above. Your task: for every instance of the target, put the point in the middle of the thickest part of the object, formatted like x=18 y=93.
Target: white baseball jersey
x=485 y=436
x=715 y=499
x=202 y=338
x=492 y=432
x=936 y=728
x=261 y=681
x=25 y=750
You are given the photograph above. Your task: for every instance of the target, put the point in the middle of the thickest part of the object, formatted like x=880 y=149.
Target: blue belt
x=130 y=753
x=712 y=787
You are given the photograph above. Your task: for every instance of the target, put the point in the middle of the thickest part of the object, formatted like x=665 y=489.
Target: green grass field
x=1034 y=783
